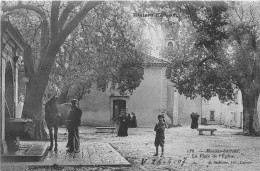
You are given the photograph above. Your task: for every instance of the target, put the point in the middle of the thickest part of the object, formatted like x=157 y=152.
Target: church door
x=119 y=107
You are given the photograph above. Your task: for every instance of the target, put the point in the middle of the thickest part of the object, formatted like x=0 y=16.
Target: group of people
x=74 y=119
x=126 y=121
x=131 y=120
x=159 y=129
x=194 y=120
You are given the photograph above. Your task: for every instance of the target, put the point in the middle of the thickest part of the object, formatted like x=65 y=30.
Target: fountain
x=15 y=127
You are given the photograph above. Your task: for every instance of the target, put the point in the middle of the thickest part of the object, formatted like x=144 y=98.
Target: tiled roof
x=151 y=61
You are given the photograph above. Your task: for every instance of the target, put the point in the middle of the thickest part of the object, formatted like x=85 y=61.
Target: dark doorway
x=212 y=116
x=9 y=91
x=119 y=106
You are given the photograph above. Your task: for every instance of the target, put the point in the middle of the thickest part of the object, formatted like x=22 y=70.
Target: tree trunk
x=38 y=77
x=256 y=121
x=251 y=112
x=257 y=83
x=33 y=110
x=250 y=115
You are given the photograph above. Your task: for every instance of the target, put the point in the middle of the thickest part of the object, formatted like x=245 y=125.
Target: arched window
x=170 y=44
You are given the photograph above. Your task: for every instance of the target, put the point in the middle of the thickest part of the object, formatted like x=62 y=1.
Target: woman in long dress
x=123 y=127
x=194 y=120
x=133 y=121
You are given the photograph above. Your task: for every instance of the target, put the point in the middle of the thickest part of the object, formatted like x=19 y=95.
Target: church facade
x=154 y=96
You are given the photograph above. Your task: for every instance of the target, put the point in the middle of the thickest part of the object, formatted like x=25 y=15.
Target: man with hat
x=72 y=123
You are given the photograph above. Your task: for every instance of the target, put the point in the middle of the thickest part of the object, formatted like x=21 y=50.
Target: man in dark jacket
x=72 y=123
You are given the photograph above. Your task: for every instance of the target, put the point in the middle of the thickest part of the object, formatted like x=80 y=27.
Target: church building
x=154 y=96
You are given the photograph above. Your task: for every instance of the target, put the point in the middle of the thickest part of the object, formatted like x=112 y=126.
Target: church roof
x=150 y=61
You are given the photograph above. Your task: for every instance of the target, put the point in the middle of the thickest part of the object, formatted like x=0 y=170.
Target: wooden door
x=119 y=107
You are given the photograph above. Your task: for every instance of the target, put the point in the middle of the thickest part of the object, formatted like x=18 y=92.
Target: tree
x=99 y=51
x=64 y=56
x=221 y=58
x=244 y=33
x=56 y=21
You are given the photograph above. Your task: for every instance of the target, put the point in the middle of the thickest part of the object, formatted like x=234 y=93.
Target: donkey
x=64 y=110
x=52 y=117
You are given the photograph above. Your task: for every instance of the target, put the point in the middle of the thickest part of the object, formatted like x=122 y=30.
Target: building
x=154 y=96
x=12 y=45
x=213 y=111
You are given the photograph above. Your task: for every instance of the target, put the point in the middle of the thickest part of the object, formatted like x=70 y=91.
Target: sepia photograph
x=130 y=85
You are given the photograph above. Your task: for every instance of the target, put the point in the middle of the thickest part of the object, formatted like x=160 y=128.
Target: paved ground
x=91 y=154
x=184 y=150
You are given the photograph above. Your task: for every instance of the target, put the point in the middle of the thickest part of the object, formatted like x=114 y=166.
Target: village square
x=130 y=85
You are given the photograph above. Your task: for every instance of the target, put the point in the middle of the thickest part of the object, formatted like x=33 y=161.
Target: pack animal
x=52 y=118
x=64 y=110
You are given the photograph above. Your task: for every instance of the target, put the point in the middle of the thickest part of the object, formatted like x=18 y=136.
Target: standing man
x=72 y=123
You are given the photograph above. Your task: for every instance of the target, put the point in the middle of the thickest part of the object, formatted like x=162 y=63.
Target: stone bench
x=105 y=129
x=206 y=129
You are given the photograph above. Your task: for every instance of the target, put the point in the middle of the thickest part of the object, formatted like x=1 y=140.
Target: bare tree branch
x=43 y=16
x=210 y=57
x=65 y=13
x=242 y=13
x=54 y=18
x=237 y=13
x=28 y=62
x=20 y=5
x=252 y=17
x=256 y=71
x=76 y=20
x=44 y=37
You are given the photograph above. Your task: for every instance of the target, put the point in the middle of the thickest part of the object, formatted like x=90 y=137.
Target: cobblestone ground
x=184 y=150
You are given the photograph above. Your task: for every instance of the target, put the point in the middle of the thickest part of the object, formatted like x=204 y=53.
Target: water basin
x=17 y=126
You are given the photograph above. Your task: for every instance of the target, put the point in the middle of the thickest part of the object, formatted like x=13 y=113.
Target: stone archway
x=9 y=91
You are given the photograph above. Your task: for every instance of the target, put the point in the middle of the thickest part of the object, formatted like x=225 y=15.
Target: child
x=160 y=135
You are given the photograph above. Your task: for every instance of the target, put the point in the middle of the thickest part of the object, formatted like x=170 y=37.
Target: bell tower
x=170 y=43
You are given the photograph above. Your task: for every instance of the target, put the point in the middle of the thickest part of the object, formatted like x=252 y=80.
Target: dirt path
x=184 y=150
